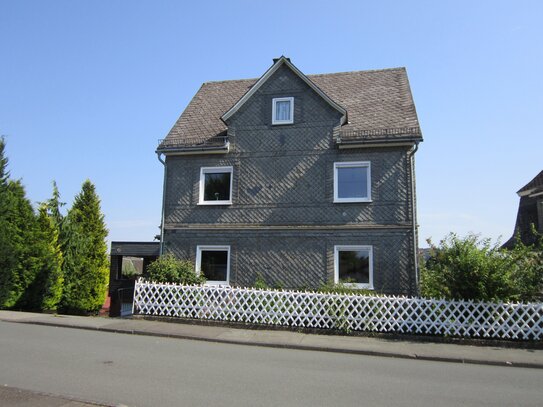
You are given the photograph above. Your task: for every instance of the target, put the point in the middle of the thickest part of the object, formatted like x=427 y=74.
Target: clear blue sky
x=87 y=88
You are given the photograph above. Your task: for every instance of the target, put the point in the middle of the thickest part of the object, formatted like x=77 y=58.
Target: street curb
x=419 y=338
x=58 y=396
x=293 y=346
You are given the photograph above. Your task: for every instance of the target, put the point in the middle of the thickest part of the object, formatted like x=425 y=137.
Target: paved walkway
x=286 y=339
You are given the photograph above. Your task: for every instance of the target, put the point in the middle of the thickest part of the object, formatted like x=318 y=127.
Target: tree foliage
x=474 y=268
x=30 y=257
x=33 y=274
x=169 y=269
x=85 y=254
x=51 y=276
x=17 y=263
x=527 y=273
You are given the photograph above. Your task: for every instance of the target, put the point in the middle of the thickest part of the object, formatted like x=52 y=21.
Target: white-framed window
x=353 y=265
x=214 y=263
x=352 y=181
x=216 y=186
x=283 y=110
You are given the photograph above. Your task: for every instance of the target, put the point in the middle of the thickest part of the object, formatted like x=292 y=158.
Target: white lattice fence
x=354 y=312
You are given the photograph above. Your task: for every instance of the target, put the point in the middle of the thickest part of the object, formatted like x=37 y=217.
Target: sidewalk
x=487 y=355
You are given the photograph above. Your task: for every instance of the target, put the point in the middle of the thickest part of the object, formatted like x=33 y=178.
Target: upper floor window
x=283 y=110
x=352 y=181
x=215 y=186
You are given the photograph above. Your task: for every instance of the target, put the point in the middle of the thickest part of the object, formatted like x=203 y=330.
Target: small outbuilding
x=129 y=260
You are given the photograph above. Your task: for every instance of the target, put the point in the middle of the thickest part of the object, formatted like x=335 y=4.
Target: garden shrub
x=472 y=268
x=169 y=269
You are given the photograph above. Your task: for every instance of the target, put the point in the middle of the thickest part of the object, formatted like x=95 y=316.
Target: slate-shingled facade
x=267 y=177
x=530 y=213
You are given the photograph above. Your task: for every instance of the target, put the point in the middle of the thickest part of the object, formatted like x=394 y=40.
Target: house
x=299 y=179
x=530 y=212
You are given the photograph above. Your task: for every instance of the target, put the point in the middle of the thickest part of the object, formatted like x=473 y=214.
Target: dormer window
x=283 y=110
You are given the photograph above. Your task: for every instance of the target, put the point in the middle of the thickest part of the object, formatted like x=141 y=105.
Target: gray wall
x=283 y=177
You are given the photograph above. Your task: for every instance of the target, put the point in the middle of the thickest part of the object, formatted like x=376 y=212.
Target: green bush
x=475 y=269
x=527 y=269
x=260 y=282
x=169 y=269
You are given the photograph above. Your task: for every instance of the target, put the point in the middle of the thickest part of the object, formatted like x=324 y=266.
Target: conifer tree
x=17 y=264
x=53 y=206
x=49 y=275
x=17 y=226
x=7 y=234
x=85 y=267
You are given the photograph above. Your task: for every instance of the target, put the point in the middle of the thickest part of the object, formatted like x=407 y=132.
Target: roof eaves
x=534 y=185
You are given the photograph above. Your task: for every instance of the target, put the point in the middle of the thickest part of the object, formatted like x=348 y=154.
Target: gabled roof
x=535 y=185
x=277 y=64
x=378 y=103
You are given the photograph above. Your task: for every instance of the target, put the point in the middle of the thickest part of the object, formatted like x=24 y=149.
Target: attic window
x=283 y=110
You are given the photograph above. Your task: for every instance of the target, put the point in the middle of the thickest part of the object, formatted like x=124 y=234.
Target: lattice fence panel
x=351 y=312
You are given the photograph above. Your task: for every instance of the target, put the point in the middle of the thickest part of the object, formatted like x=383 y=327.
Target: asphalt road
x=149 y=371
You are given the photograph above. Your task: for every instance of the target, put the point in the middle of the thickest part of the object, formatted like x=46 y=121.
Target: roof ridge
x=231 y=80
x=399 y=68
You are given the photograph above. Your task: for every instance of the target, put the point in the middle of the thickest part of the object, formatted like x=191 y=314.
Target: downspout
x=161 y=251
x=414 y=217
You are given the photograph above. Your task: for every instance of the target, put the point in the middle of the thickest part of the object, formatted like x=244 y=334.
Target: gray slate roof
x=379 y=105
x=535 y=184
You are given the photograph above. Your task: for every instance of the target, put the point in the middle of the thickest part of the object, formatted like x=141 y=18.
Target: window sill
x=357 y=286
x=215 y=203
x=217 y=283
x=281 y=123
x=353 y=200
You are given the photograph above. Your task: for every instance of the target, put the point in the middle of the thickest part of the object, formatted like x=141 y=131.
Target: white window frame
x=274 y=103
x=348 y=248
x=352 y=164
x=198 y=266
x=205 y=170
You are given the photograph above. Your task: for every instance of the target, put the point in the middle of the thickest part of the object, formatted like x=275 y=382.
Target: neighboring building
x=530 y=212
x=129 y=260
x=299 y=179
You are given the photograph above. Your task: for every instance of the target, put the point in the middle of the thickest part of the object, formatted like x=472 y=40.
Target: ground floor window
x=214 y=263
x=353 y=265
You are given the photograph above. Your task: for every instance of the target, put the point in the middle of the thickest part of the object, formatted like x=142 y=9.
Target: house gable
x=308 y=105
x=281 y=64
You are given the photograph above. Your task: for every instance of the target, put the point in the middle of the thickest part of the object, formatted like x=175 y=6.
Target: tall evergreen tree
x=17 y=227
x=17 y=263
x=4 y=174
x=45 y=291
x=53 y=206
x=7 y=233
x=85 y=254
